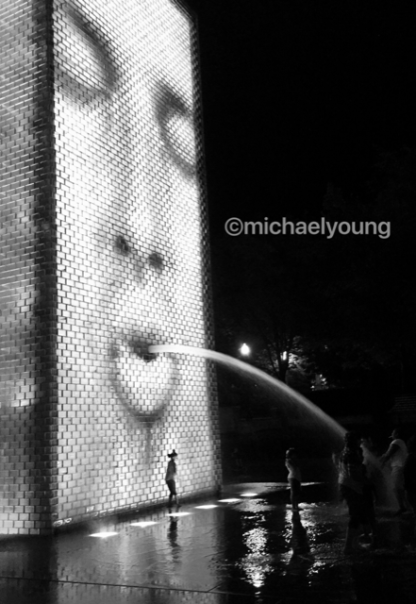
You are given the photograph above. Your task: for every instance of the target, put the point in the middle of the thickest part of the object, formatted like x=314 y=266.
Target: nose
x=155 y=260
x=143 y=266
x=147 y=245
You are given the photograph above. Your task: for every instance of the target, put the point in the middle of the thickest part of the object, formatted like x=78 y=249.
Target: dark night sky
x=299 y=93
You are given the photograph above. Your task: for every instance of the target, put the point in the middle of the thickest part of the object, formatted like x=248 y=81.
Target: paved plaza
x=244 y=546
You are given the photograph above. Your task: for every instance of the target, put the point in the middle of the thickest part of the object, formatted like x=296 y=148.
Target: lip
x=143 y=381
x=140 y=347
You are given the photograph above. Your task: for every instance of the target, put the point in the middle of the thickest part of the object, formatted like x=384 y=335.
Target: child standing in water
x=170 y=479
x=294 y=477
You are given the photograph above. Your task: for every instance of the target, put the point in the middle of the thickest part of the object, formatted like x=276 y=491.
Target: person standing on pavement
x=294 y=477
x=351 y=483
x=396 y=456
x=170 y=479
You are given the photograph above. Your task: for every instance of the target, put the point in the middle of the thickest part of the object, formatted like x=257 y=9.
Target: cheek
x=85 y=166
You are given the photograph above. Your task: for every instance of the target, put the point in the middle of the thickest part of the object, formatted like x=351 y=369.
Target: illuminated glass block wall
x=104 y=252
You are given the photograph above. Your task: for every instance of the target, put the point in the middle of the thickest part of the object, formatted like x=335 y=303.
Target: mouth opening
x=140 y=348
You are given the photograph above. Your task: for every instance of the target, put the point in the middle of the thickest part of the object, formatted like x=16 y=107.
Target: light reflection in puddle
x=104 y=534
x=257 y=563
x=206 y=507
x=255 y=506
x=144 y=523
x=177 y=514
x=256 y=540
x=248 y=494
x=310 y=524
x=301 y=531
x=230 y=500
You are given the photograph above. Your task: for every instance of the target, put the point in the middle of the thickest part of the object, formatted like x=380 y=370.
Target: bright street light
x=245 y=350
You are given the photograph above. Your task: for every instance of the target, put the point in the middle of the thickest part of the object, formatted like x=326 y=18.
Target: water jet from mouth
x=285 y=393
x=334 y=435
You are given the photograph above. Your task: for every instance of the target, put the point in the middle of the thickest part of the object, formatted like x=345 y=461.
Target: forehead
x=152 y=37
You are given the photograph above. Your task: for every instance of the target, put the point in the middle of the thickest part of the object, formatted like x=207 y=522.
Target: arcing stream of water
x=289 y=395
x=281 y=388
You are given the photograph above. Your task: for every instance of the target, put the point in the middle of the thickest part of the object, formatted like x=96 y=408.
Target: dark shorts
x=171 y=486
x=368 y=499
x=397 y=476
x=295 y=486
x=356 y=506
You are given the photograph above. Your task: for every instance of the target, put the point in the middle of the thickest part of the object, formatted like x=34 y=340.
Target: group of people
x=356 y=484
x=357 y=488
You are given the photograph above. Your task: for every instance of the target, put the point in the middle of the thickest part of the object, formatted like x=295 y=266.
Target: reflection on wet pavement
x=250 y=548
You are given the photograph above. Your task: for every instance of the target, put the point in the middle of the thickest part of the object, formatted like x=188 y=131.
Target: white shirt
x=294 y=470
x=398 y=457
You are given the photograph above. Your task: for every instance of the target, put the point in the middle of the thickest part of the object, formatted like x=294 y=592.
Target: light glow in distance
x=245 y=349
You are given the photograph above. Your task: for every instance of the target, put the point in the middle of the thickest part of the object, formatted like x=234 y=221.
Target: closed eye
x=176 y=123
x=84 y=67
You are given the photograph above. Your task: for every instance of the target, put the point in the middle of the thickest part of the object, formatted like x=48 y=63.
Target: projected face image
x=131 y=182
x=130 y=261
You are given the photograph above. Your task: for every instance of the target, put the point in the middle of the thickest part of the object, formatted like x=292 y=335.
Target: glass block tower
x=103 y=252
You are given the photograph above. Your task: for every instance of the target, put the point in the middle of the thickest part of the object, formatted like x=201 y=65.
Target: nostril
x=156 y=261
x=122 y=245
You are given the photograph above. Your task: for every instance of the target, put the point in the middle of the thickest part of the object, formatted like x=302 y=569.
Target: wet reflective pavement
x=245 y=546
